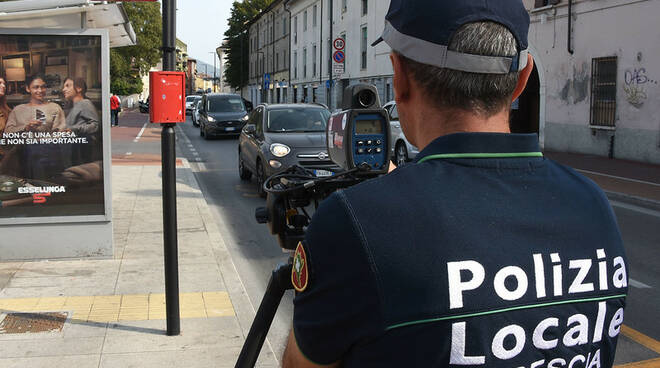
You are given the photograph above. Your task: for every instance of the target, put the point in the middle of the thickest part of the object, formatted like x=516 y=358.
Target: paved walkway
x=110 y=313
x=620 y=179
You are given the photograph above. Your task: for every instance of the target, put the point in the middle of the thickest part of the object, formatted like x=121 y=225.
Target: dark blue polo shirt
x=481 y=253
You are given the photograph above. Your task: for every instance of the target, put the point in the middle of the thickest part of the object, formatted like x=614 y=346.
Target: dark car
x=221 y=114
x=280 y=136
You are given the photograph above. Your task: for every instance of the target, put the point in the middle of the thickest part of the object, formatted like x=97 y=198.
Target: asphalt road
x=255 y=252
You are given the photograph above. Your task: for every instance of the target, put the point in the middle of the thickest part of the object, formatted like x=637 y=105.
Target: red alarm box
x=167 y=97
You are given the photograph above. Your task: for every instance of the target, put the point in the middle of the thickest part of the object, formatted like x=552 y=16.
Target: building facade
x=315 y=26
x=595 y=89
x=268 y=36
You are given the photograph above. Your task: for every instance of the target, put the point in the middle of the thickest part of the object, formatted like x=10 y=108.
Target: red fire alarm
x=167 y=92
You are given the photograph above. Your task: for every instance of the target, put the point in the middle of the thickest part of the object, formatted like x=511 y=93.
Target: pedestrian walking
x=115 y=109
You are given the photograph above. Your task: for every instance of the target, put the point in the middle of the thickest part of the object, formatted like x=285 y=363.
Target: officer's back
x=482 y=252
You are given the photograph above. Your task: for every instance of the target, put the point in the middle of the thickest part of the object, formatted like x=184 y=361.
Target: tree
x=129 y=63
x=237 y=40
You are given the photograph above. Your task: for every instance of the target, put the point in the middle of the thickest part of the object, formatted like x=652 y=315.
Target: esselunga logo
x=41 y=190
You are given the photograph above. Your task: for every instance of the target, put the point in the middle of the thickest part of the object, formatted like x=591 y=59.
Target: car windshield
x=298 y=120
x=225 y=104
x=190 y=98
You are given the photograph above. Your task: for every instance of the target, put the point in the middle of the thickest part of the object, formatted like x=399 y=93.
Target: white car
x=195 y=113
x=191 y=101
x=402 y=150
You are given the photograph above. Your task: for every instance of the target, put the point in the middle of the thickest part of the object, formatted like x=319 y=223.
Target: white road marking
x=618 y=177
x=639 y=285
x=129 y=153
x=137 y=138
x=632 y=207
x=195 y=154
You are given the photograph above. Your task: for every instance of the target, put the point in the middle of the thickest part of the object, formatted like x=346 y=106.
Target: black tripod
x=280 y=281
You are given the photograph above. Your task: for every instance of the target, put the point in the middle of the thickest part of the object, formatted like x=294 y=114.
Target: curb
x=638 y=201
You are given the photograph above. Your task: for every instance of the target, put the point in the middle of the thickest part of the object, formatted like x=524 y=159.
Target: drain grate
x=15 y=323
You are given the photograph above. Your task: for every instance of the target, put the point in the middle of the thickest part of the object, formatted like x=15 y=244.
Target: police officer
x=481 y=253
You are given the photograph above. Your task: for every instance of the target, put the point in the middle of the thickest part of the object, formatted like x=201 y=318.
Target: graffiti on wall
x=635 y=83
x=576 y=89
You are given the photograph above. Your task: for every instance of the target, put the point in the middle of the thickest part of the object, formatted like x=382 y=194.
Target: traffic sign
x=337 y=68
x=338 y=56
x=339 y=43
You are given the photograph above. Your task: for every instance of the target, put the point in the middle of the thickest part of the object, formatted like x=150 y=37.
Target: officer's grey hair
x=483 y=94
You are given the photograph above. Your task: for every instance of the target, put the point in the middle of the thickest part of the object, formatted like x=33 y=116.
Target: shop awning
x=69 y=14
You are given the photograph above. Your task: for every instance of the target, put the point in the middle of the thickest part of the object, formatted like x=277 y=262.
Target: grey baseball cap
x=421 y=30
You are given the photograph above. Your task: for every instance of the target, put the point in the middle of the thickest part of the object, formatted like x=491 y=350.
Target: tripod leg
x=280 y=281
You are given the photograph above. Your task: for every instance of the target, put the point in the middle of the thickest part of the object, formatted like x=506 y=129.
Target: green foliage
x=128 y=63
x=238 y=44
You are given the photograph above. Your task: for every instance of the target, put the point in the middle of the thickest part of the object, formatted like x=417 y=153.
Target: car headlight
x=211 y=119
x=279 y=150
x=245 y=118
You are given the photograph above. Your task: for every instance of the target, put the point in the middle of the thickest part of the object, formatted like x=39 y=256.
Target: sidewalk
x=620 y=179
x=111 y=312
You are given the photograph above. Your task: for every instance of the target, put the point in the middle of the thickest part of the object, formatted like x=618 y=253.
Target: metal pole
x=332 y=39
x=168 y=153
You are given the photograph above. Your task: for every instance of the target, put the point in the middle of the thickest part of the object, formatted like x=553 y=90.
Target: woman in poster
x=38 y=115
x=4 y=108
x=82 y=119
x=40 y=161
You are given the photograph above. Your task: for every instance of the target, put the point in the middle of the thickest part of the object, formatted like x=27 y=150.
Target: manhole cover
x=15 y=323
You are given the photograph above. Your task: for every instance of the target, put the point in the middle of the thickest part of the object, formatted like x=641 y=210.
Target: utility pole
x=169 y=183
x=214 y=77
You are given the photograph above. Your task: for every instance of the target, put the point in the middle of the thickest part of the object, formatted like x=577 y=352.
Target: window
x=314 y=14
x=329 y=7
x=295 y=64
x=344 y=5
x=285 y=63
x=365 y=7
x=283 y=26
x=603 y=91
x=295 y=30
x=277 y=61
x=305 y=62
x=305 y=20
x=314 y=60
x=363 y=48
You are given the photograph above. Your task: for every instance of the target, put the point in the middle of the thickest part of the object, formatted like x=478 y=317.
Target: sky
x=201 y=24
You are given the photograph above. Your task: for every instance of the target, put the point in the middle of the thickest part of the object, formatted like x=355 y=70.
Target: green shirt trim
x=481 y=155
x=503 y=310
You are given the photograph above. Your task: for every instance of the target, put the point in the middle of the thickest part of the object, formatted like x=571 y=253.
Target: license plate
x=322 y=173
x=230 y=129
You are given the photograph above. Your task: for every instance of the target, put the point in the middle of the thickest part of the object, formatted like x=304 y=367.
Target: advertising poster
x=51 y=126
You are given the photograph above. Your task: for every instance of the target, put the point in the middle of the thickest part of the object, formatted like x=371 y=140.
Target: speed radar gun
x=358 y=141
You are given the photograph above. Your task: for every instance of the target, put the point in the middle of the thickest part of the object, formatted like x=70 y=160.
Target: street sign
x=339 y=43
x=337 y=68
x=338 y=56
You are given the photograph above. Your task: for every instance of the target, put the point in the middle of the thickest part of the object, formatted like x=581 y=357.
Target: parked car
x=402 y=150
x=191 y=101
x=277 y=137
x=194 y=115
x=221 y=114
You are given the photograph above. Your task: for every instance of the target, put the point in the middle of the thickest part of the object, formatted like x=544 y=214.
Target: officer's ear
x=401 y=79
x=523 y=76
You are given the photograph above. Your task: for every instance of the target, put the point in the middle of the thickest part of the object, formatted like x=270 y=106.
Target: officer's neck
x=444 y=122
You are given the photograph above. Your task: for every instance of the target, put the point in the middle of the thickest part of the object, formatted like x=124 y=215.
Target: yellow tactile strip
x=113 y=308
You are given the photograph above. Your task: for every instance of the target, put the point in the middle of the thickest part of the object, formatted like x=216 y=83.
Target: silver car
x=402 y=150
x=195 y=113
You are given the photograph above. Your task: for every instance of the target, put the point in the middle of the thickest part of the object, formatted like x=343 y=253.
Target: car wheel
x=243 y=172
x=400 y=154
x=260 y=180
x=201 y=131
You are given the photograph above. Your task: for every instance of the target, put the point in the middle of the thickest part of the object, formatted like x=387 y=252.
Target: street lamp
x=214 y=77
